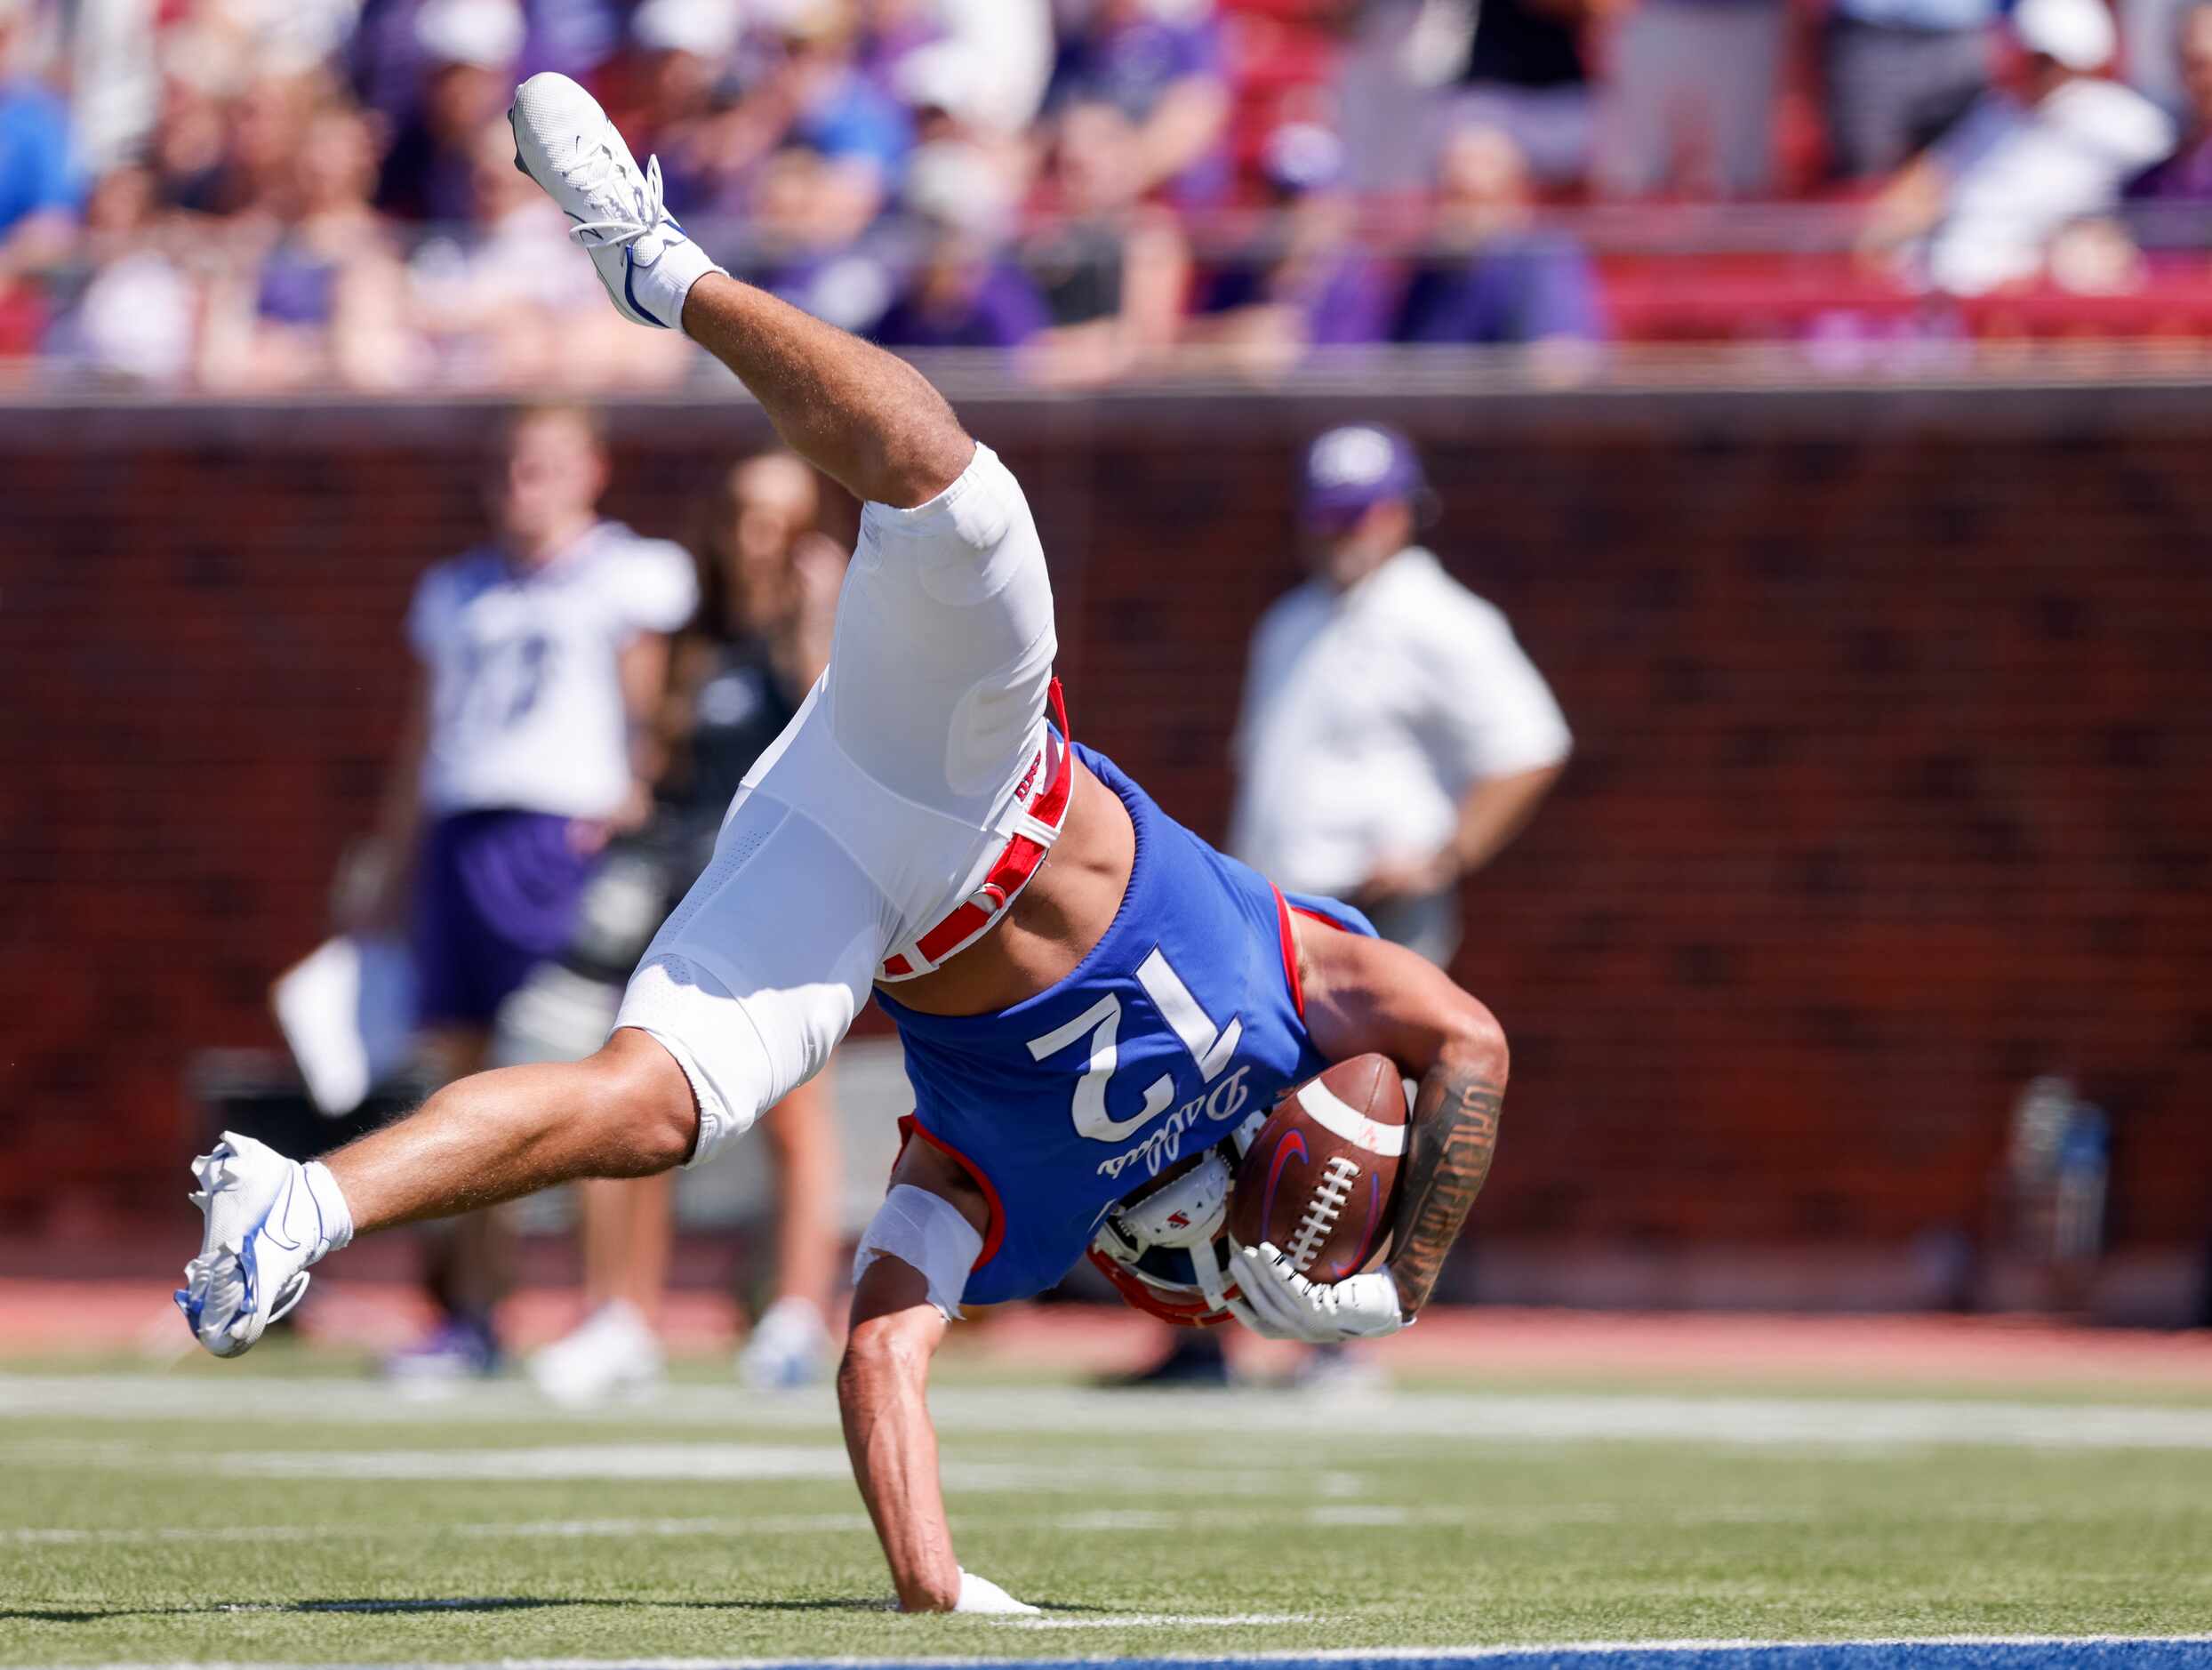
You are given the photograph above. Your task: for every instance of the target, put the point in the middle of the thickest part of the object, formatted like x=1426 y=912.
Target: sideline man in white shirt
x=1394 y=737
x=541 y=652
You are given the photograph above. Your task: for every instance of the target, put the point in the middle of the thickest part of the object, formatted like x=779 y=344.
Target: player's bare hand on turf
x=1279 y=1302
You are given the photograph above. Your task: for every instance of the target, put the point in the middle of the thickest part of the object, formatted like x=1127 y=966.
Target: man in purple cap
x=1394 y=737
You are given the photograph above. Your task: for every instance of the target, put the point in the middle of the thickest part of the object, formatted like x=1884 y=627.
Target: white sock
x=661 y=288
x=318 y=1215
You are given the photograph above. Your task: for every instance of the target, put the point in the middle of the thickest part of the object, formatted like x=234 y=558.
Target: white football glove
x=981 y=1594
x=1279 y=1302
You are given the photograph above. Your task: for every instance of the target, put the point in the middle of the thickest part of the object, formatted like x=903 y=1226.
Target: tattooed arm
x=1365 y=994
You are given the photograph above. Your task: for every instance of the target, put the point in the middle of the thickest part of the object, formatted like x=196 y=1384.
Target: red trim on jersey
x=1017 y=863
x=912 y=1126
x=1290 y=953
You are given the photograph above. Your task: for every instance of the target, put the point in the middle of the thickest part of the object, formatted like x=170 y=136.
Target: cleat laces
x=615 y=232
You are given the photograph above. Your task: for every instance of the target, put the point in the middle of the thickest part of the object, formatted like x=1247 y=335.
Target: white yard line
x=1484 y=1518
x=685 y=1463
x=1839 y=1424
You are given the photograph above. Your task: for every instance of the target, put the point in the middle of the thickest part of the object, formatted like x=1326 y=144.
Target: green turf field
x=251 y=1511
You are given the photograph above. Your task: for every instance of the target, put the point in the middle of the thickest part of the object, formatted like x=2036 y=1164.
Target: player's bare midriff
x=1053 y=922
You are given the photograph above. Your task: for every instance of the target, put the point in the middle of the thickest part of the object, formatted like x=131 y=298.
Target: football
x=1320 y=1181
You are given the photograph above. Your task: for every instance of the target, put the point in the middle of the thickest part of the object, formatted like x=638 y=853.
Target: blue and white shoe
x=788 y=1348
x=253 y=1258
x=564 y=142
x=458 y=1350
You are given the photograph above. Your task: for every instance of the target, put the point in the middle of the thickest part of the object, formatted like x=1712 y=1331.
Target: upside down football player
x=1085 y=990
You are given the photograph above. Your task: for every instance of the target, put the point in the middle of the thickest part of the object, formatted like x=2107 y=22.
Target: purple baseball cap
x=1353 y=467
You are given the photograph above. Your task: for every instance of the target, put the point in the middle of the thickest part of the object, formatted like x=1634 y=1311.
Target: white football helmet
x=1165 y=1247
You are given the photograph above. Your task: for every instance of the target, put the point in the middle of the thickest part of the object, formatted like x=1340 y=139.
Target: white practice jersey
x=526 y=707
x=1367 y=715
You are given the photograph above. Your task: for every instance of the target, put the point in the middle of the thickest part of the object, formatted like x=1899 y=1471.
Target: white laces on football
x=601 y=233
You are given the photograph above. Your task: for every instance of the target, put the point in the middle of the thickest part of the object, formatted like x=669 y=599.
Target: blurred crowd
x=249 y=195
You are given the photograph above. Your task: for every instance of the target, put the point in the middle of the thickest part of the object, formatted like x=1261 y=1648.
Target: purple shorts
x=495 y=895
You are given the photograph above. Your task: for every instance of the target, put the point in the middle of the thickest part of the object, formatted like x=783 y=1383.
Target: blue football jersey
x=1183 y=1019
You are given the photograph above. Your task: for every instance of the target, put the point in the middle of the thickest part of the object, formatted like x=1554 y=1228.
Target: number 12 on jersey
x=1211 y=1047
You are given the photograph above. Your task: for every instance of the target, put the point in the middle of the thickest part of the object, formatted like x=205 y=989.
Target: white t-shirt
x=1367 y=716
x=526 y=707
x=2021 y=175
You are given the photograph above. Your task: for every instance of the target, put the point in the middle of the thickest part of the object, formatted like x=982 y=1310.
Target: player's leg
x=861 y=416
x=625 y=1225
x=626 y=1110
x=944 y=635
x=804 y=1139
x=789 y=1345
x=467 y=1264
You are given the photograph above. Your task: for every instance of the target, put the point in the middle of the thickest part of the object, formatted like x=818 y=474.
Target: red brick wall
x=1895 y=783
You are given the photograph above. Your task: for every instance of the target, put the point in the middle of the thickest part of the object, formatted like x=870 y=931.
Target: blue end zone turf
x=2108 y=1653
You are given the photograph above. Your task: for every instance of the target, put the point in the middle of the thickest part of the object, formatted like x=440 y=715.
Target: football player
x=1088 y=993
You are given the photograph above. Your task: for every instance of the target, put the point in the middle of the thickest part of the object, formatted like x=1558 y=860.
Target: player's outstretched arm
x=1366 y=994
x=883 y=1388
x=864 y=417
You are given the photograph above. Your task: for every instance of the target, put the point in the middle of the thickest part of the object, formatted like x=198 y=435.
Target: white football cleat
x=563 y=141
x=788 y=1347
x=610 y=1354
x=252 y=1263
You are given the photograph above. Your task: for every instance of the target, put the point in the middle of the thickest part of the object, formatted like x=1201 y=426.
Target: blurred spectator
x=1113 y=271
x=963 y=292
x=389 y=58
x=1492 y=276
x=1306 y=282
x=2050 y=148
x=809 y=215
x=1386 y=790
x=138 y=316
x=681 y=106
x=2151 y=49
x=833 y=109
x=503 y=302
x=949 y=87
x=768 y=586
x=470 y=49
x=1158 y=62
x=1393 y=738
x=266 y=125
x=39 y=188
x=1527 y=77
x=188 y=149
x=1899 y=72
x=1688 y=105
x=890 y=32
x=541 y=652
x=1396 y=54
x=1008 y=46
x=114 y=83
x=2186 y=176
x=313 y=293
